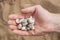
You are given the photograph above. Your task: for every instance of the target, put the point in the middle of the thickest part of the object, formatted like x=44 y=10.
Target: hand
x=43 y=21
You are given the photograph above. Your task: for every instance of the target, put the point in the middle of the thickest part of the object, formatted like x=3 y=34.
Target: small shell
x=30 y=17
x=24 y=22
x=31 y=26
x=28 y=28
x=21 y=20
x=30 y=20
x=19 y=26
x=17 y=20
x=24 y=28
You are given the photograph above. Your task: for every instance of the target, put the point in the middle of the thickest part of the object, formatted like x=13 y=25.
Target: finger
x=28 y=10
x=12 y=22
x=15 y=16
x=13 y=27
x=21 y=33
x=33 y=9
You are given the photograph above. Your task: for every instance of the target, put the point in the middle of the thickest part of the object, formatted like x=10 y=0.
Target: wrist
x=53 y=23
x=56 y=22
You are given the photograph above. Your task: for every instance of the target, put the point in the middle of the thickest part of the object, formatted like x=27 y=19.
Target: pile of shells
x=25 y=24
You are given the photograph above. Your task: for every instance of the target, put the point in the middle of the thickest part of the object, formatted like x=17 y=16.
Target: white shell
x=24 y=28
x=17 y=20
x=28 y=28
x=21 y=20
x=31 y=20
x=24 y=22
x=19 y=26
x=31 y=26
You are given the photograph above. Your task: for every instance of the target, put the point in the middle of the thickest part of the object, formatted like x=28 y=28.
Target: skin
x=44 y=21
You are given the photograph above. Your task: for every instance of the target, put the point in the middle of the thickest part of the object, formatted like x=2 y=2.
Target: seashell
x=17 y=20
x=19 y=26
x=24 y=22
x=30 y=20
x=27 y=27
x=23 y=28
x=31 y=26
x=21 y=20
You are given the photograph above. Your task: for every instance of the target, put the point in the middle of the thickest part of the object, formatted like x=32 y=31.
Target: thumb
x=28 y=10
x=33 y=9
x=37 y=10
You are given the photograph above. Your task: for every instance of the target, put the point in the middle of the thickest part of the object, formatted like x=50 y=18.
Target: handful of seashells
x=25 y=23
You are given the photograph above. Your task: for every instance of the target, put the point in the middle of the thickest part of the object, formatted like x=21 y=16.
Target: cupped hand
x=43 y=21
